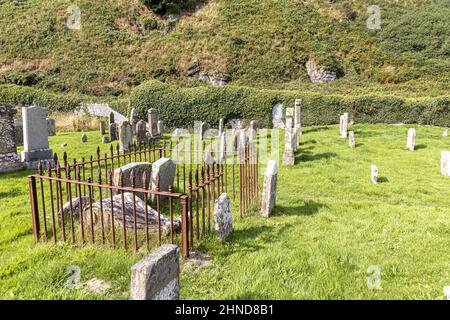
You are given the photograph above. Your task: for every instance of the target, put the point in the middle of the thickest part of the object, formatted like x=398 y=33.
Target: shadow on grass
x=308 y=156
x=316 y=129
x=307 y=142
x=420 y=146
x=382 y=180
x=308 y=209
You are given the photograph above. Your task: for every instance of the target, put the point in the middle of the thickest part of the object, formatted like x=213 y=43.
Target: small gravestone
x=18 y=126
x=411 y=141
x=445 y=163
x=105 y=140
x=141 y=132
x=153 y=122
x=445 y=134
x=288 y=154
x=137 y=169
x=133 y=120
x=269 y=192
x=223 y=217
x=102 y=127
x=157 y=277
x=84 y=138
x=125 y=136
x=160 y=128
x=277 y=116
x=111 y=118
x=351 y=139
x=35 y=135
x=113 y=132
x=374 y=174
x=9 y=159
x=51 y=127
x=165 y=168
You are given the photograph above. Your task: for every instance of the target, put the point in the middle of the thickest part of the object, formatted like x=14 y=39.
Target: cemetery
x=212 y=178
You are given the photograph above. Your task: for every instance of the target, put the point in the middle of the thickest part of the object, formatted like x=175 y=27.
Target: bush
x=180 y=107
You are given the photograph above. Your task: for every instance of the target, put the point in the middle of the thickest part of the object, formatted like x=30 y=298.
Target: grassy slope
x=329 y=225
x=259 y=43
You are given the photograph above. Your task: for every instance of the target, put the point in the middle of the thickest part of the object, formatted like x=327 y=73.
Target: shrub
x=180 y=107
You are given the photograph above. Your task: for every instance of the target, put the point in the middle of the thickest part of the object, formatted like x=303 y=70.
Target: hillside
x=264 y=44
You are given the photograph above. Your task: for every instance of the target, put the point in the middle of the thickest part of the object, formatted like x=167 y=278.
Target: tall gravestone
x=298 y=119
x=141 y=132
x=111 y=118
x=125 y=136
x=157 y=277
x=223 y=217
x=445 y=163
x=269 y=192
x=160 y=128
x=133 y=120
x=9 y=159
x=411 y=141
x=343 y=127
x=203 y=129
x=153 y=122
x=277 y=116
x=35 y=136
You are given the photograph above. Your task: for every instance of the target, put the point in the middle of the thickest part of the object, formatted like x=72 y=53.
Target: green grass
x=330 y=224
x=257 y=43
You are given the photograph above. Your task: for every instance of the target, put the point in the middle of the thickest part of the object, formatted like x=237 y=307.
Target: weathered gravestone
x=153 y=122
x=51 y=127
x=35 y=136
x=136 y=169
x=157 y=277
x=141 y=132
x=374 y=174
x=125 y=136
x=351 y=139
x=288 y=154
x=445 y=163
x=18 y=126
x=269 y=192
x=252 y=130
x=133 y=120
x=84 y=138
x=74 y=207
x=223 y=148
x=220 y=127
x=160 y=128
x=9 y=159
x=298 y=115
x=289 y=118
x=113 y=132
x=277 y=116
x=105 y=140
x=343 y=125
x=411 y=141
x=111 y=118
x=445 y=134
x=223 y=217
x=203 y=128
x=102 y=128
x=165 y=169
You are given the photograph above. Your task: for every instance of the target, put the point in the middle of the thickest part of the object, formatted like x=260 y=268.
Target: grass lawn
x=330 y=224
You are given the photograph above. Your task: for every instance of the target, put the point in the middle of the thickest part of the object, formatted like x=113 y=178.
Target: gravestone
x=137 y=169
x=252 y=131
x=51 y=127
x=160 y=128
x=223 y=147
x=298 y=118
x=445 y=134
x=125 y=136
x=105 y=140
x=351 y=139
x=220 y=127
x=208 y=157
x=269 y=192
x=133 y=120
x=343 y=125
x=223 y=217
x=111 y=118
x=9 y=159
x=84 y=138
x=141 y=132
x=277 y=116
x=411 y=142
x=445 y=163
x=113 y=132
x=157 y=277
x=102 y=128
x=374 y=174
x=203 y=128
x=166 y=170
x=153 y=122
x=288 y=154
x=18 y=128
x=35 y=136
x=289 y=117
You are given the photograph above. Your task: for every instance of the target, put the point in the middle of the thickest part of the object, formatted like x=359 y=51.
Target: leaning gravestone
x=113 y=132
x=445 y=163
x=411 y=142
x=35 y=136
x=9 y=159
x=277 y=116
x=269 y=192
x=51 y=127
x=223 y=217
x=157 y=277
x=141 y=132
x=374 y=174
x=165 y=168
x=136 y=169
x=125 y=136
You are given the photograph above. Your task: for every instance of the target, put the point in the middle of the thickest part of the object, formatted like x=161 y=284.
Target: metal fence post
x=34 y=207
